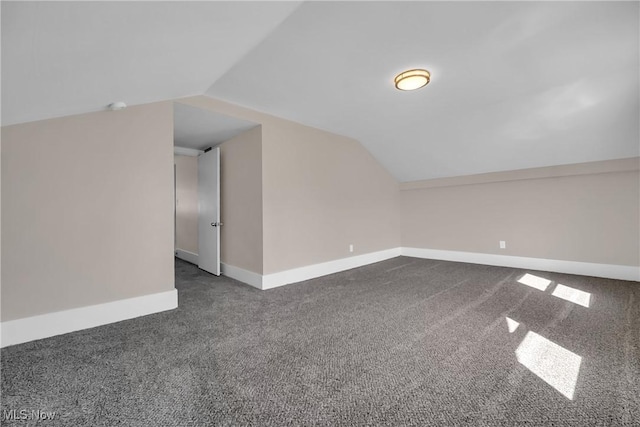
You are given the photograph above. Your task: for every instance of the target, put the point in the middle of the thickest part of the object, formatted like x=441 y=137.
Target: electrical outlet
x=503 y=244
x=350 y=248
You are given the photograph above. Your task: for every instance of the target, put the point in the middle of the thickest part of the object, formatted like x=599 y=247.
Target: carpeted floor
x=402 y=342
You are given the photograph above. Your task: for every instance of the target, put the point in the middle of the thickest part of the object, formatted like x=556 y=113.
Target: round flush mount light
x=117 y=106
x=412 y=79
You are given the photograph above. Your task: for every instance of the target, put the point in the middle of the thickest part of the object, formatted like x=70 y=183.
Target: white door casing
x=209 y=211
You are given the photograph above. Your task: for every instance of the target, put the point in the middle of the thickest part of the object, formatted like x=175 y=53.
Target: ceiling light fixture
x=412 y=79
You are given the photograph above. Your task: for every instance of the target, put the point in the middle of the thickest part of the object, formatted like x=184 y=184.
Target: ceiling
x=514 y=84
x=199 y=129
x=62 y=58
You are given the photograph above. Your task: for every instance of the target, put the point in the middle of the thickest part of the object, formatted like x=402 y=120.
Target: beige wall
x=323 y=192
x=87 y=210
x=320 y=193
x=587 y=213
x=87 y=206
x=241 y=201
x=186 y=203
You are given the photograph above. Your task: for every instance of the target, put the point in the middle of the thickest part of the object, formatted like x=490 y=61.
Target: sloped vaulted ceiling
x=514 y=84
x=61 y=58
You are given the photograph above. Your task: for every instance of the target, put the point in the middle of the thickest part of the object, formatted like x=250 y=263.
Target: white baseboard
x=187 y=256
x=611 y=271
x=242 y=275
x=300 y=274
x=316 y=270
x=47 y=325
x=62 y=322
x=268 y=281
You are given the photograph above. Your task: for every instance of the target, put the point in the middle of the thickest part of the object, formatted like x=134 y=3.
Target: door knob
x=216 y=224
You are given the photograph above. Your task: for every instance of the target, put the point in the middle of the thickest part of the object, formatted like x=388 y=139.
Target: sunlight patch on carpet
x=512 y=325
x=534 y=281
x=571 y=294
x=551 y=362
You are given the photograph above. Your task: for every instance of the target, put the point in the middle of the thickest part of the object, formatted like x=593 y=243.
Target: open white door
x=209 y=211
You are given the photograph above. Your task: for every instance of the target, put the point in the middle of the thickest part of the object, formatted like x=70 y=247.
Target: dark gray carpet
x=401 y=342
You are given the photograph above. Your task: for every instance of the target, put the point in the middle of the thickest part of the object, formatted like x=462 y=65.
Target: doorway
x=198 y=160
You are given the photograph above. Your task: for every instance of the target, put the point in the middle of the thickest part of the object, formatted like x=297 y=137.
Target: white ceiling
x=62 y=58
x=199 y=129
x=514 y=84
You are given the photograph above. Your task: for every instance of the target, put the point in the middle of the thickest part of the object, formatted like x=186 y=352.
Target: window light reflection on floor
x=512 y=325
x=571 y=294
x=551 y=362
x=534 y=281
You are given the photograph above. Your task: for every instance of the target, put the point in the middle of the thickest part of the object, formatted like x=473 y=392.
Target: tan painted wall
x=186 y=203
x=587 y=213
x=1 y=174
x=321 y=192
x=241 y=201
x=87 y=210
